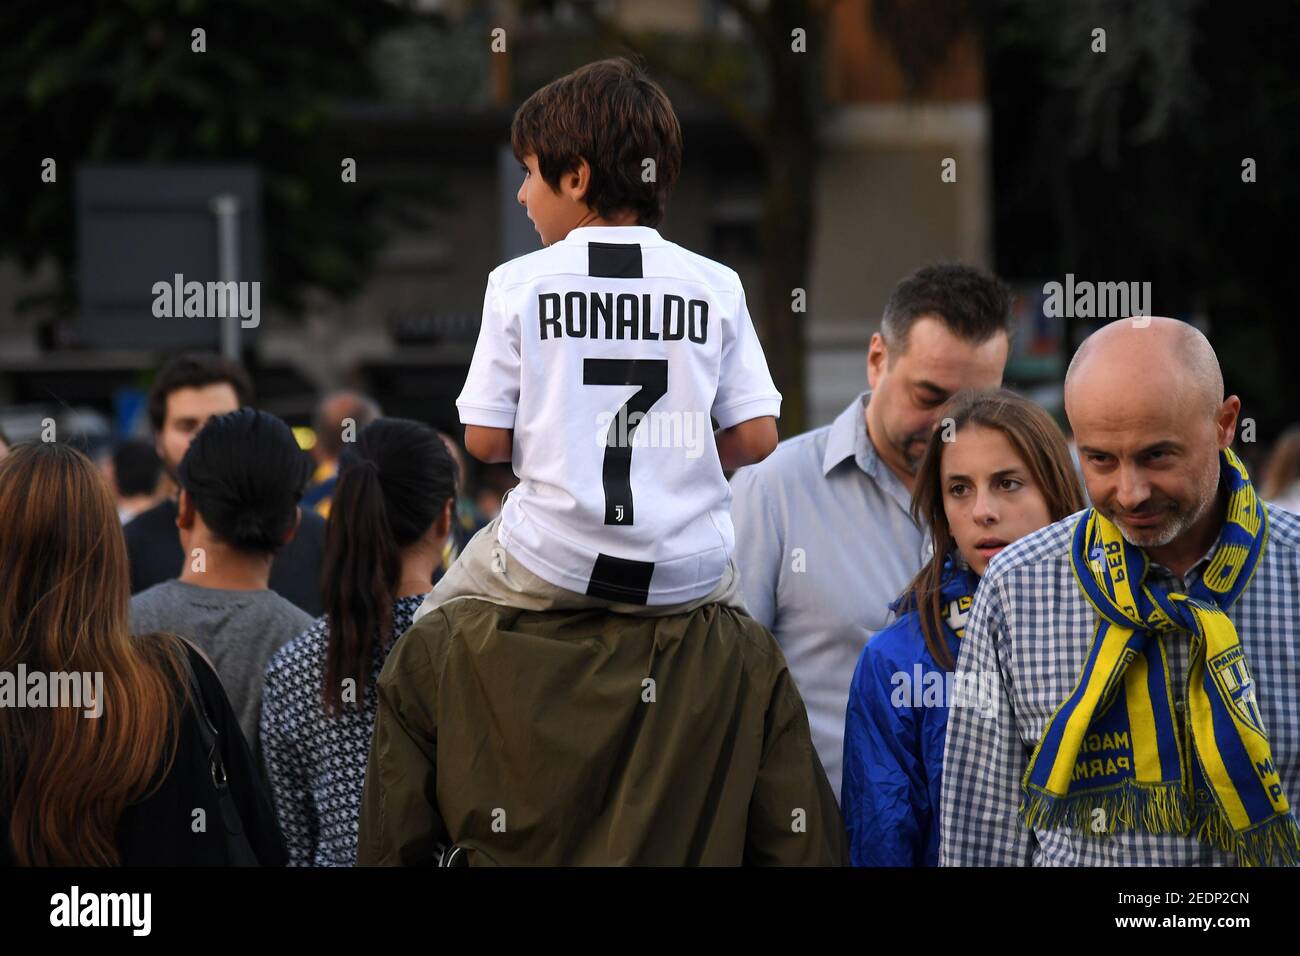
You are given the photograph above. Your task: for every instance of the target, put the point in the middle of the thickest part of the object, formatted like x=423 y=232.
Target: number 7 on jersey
x=616 y=472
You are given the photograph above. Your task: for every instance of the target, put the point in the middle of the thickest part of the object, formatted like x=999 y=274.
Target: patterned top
x=317 y=763
x=1030 y=629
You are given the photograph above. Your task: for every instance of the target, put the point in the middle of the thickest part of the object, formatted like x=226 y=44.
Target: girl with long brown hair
x=114 y=779
x=996 y=468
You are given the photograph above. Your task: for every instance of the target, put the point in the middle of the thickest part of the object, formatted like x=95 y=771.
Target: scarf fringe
x=1275 y=842
x=1164 y=808
x=1156 y=808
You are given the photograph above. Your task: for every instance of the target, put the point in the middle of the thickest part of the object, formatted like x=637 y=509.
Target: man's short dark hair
x=195 y=370
x=245 y=473
x=136 y=468
x=971 y=303
x=615 y=117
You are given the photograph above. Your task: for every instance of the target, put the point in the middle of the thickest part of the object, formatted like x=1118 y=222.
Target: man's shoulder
x=469 y=619
x=261 y=622
x=304 y=550
x=439 y=623
x=1042 y=553
x=160 y=519
x=283 y=610
x=157 y=608
x=161 y=595
x=1283 y=528
x=311 y=525
x=422 y=649
x=798 y=456
x=176 y=595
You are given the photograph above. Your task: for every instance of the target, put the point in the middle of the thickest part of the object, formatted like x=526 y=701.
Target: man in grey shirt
x=240 y=482
x=824 y=535
x=239 y=631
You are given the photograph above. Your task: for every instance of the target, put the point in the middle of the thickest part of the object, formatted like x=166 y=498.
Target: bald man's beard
x=1179 y=521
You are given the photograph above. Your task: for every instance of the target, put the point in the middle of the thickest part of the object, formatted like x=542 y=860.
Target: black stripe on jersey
x=621 y=579
x=614 y=260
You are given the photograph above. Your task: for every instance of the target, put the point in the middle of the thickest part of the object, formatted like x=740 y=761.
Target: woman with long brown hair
x=104 y=761
x=996 y=468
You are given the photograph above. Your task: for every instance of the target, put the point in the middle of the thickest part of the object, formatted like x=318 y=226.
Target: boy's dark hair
x=611 y=114
x=973 y=304
x=195 y=370
x=136 y=468
x=245 y=474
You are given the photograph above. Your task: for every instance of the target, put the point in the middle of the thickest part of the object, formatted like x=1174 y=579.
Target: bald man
x=1144 y=650
x=339 y=417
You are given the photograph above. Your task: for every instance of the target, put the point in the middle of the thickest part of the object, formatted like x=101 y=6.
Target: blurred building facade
x=882 y=207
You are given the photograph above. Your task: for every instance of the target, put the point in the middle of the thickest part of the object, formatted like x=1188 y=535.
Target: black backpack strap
x=207 y=729
x=239 y=850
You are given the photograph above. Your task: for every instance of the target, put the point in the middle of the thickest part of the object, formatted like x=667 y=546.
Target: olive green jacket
x=593 y=738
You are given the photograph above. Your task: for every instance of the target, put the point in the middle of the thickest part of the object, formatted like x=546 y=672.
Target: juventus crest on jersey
x=608 y=353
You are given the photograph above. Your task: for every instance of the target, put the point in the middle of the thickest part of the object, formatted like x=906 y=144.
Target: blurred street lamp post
x=225 y=207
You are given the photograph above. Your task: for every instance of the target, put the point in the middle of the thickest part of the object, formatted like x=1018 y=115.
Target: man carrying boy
x=669 y=731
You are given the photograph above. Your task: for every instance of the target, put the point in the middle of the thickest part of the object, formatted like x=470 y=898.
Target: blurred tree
x=781 y=119
x=121 y=83
x=920 y=34
x=1127 y=166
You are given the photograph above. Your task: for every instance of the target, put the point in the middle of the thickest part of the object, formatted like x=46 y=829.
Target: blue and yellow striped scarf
x=1113 y=756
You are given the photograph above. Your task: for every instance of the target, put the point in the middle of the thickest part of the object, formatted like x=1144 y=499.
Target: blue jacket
x=893 y=755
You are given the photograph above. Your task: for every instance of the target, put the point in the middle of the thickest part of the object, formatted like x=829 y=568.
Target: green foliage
x=1127 y=166
x=119 y=82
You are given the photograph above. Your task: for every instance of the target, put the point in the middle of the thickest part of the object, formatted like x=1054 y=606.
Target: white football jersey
x=607 y=353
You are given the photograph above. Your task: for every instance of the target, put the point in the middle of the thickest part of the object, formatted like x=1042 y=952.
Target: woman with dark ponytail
x=387 y=527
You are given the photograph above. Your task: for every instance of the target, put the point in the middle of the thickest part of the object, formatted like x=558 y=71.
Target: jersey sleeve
x=491 y=393
x=745 y=388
